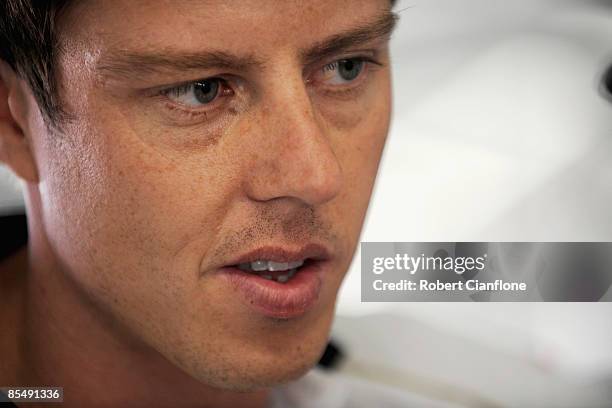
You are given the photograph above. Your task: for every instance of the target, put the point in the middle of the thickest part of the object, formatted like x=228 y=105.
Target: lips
x=283 y=255
x=279 y=282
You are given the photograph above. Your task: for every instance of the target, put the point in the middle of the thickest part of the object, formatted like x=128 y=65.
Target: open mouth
x=280 y=272
x=278 y=282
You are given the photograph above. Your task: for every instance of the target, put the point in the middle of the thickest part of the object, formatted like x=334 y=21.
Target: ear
x=15 y=143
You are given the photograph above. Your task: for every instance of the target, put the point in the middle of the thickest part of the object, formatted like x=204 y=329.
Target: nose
x=294 y=157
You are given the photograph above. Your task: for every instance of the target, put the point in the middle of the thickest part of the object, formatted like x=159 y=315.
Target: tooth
x=268 y=277
x=282 y=278
x=245 y=267
x=259 y=266
x=296 y=264
x=278 y=266
x=291 y=273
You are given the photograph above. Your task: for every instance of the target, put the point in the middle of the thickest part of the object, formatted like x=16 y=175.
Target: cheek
x=359 y=149
x=132 y=223
x=167 y=206
x=359 y=129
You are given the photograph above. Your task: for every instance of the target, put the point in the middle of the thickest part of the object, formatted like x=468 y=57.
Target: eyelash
x=226 y=90
x=334 y=64
x=353 y=86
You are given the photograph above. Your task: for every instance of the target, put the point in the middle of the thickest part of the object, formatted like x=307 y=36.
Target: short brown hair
x=28 y=43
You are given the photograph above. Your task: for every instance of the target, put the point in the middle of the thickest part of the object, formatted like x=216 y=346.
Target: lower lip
x=288 y=300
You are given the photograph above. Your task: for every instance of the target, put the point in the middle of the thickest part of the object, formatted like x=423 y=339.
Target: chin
x=277 y=376
x=248 y=354
x=250 y=367
x=252 y=374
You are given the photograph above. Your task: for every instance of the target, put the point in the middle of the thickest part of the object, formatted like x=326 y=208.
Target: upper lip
x=283 y=254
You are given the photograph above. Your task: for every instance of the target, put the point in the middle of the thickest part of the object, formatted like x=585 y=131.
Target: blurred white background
x=500 y=133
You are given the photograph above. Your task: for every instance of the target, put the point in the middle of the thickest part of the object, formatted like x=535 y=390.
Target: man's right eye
x=199 y=93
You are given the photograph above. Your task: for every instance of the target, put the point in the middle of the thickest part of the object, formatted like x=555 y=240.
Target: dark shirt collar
x=13 y=234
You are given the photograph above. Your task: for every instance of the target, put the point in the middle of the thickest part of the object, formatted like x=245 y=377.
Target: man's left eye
x=343 y=71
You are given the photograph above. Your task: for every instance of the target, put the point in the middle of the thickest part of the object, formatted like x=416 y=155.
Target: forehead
x=239 y=25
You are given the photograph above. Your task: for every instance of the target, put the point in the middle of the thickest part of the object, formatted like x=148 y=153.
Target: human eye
x=343 y=73
x=198 y=94
x=195 y=102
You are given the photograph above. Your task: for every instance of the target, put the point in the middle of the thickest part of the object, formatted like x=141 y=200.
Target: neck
x=66 y=340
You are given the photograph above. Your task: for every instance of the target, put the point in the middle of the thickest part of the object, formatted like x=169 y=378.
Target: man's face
x=205 y=135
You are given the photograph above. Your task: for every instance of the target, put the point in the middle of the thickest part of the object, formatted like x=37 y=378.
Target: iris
x=206 y=91
x=349 y=69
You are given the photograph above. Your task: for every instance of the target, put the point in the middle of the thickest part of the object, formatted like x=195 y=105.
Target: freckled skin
x=131 y=212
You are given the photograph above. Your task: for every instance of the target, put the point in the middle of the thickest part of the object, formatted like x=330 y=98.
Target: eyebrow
x=380 y=28
x=129 y=64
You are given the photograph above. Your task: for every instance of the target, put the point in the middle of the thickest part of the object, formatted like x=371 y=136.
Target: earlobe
x=15 y=148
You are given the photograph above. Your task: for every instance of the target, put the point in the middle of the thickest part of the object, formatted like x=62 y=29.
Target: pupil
x=350 y=69
x=206 y=91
